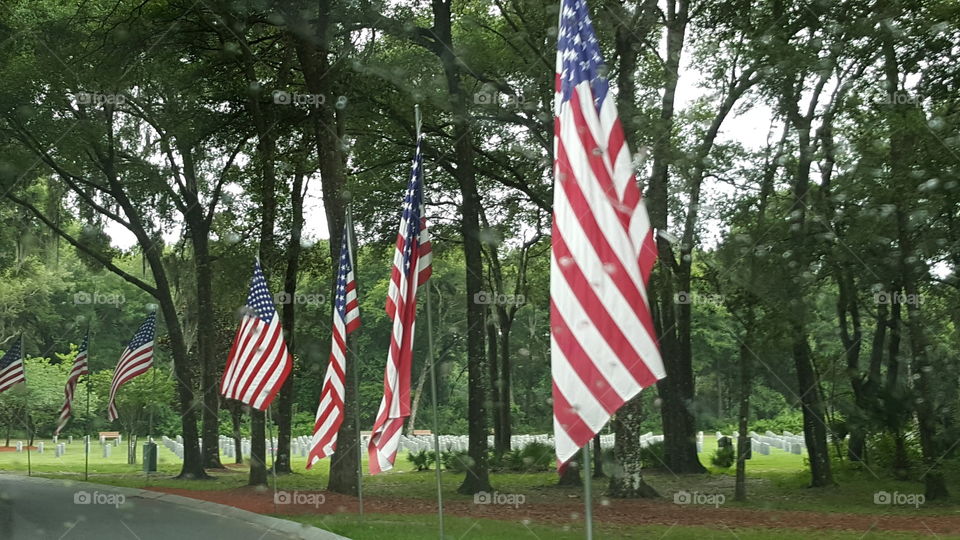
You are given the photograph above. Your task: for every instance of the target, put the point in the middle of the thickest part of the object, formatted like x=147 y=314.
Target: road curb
x=292 y=528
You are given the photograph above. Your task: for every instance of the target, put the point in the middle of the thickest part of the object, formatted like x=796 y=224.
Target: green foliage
x=423 y=459
x=725 y=455
x=456 y=461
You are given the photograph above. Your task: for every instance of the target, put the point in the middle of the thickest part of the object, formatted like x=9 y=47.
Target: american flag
x=346 y=319
x=259 y=361
x=603 y=345
x=79 y=368
x=411 y=268
x=135 y=361
x=11 y=366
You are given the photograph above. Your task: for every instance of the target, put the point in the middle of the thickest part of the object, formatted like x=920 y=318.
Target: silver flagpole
x=26 y=410
x=587 y=491
x=355 y=367
x=433 y=371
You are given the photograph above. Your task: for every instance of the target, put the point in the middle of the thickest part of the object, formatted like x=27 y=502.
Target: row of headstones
x=59 y=448
x=116 y=440
x=787 y=442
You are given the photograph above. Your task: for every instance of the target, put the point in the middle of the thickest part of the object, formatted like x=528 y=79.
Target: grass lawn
x=395 y=527
x=775 y=482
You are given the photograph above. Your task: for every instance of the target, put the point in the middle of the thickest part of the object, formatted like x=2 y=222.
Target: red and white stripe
x=603 y=345
x=135 y=361
x=411 y=268
x=259 y=361
x=346 y=319
x=79 y=368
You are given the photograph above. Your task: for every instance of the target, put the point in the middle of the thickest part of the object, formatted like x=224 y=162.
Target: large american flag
x=603 y=345
x=79 y=368
x=135 y=361
x=346 y=319
x=259 y=362
x=11 y=366
x=411 y=268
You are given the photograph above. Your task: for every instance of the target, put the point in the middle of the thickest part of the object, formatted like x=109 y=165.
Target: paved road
x=33 y=509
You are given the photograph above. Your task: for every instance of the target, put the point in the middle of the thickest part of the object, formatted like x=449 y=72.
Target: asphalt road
x=33 y=509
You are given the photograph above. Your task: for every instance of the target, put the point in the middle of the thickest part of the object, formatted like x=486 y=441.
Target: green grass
x=775 y=482
x=404 y=527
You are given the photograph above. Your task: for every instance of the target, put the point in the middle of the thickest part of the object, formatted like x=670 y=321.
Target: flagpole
x=587 y=492
x=86 y=447
x=351 y=245
x=26 y=407
x=273 y=459
x=433 y=372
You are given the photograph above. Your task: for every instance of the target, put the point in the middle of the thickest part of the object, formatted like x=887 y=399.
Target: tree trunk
x=493 y=362
x=598 y=458
x=743 y=415
x=288 y=323
x=477 y=477
x=206 y=336
x=345 y=460
x=627 y=479
x=235 y=414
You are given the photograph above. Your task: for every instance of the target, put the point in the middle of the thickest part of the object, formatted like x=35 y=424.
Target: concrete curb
x=292 y=528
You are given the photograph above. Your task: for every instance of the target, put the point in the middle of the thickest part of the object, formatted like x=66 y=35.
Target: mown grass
x=404 y=527
x=775 y=482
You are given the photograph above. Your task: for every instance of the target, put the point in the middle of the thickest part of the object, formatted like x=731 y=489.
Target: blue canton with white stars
x=345 y=269
x=412 y=202
x=144 y=335
x=259 y=300
x=579 y=50
x=12 y=355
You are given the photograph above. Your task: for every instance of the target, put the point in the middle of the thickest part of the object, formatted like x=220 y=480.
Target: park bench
x=109 y=435
x=422 y=432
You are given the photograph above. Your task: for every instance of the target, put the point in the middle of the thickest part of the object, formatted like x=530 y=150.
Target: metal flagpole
x=26 y=409
x=587 y=492
x=86 y=447
x=433 y=374
x=273 y=458
x=355 y=367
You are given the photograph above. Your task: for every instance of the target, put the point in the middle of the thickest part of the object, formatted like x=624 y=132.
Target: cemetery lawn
x=776 y=487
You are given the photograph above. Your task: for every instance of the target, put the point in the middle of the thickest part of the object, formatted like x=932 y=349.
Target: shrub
x=725 y=454
x=457 y=462
x=536 y=456
x=422 y=459
x=653 y=456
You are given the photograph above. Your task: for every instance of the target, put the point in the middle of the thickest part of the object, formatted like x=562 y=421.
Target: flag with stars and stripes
x=135 y=361
x=11 y=366
x=346 y=319
x=79 y=368
x=259 y=362
x=604 y=348
x=411 y=268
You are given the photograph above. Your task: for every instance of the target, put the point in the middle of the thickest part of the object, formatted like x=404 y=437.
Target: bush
x=725 y=454
x=457 y=462
x=422 y=459
x=653 y=456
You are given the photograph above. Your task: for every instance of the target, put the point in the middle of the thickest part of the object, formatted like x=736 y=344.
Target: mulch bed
x=14 y=448
x=622 y=512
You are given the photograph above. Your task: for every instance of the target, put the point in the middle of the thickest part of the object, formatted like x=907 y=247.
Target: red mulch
x=14 y=448
x=623 y=512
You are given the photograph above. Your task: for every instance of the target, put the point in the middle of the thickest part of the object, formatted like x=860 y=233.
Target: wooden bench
x=422 y=432
x=109 y=435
